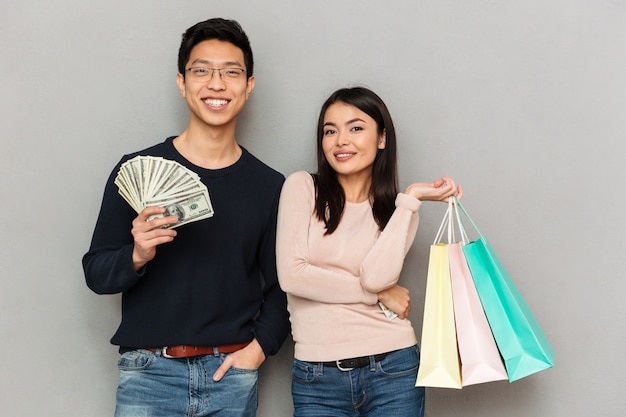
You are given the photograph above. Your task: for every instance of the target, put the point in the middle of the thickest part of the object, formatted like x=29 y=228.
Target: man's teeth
x=216 y=102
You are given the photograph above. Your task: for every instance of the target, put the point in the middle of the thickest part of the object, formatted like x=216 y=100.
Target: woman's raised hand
x=438 y=190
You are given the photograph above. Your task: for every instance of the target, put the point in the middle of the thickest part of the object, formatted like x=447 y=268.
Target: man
x=201 y=305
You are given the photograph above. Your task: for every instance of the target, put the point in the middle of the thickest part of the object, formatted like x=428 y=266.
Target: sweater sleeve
x=391 y=246
x=272 y=322
x=295 y=270
x=108 y=264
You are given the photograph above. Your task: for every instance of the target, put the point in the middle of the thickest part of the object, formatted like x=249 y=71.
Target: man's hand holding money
x=148 y=234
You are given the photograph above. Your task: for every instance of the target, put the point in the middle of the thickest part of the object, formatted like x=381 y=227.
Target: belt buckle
x=341 y=368
x=165 y=354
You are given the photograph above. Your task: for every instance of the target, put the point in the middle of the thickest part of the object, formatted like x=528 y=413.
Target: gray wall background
x=521 y=102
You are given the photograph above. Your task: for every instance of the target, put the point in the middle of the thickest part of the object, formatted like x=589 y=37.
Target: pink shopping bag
x=480 y=358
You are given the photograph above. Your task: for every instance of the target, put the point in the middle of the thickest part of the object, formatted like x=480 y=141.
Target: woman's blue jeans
x=153 y=386
x=382 y=389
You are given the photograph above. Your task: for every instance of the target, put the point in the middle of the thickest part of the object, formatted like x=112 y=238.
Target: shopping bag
x=439 y=357
x=480 y=358
x=523 y=346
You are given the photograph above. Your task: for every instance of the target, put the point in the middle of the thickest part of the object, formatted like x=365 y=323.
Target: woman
x=342 y=237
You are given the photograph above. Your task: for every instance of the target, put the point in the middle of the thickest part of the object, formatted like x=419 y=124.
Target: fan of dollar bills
x=145 y=181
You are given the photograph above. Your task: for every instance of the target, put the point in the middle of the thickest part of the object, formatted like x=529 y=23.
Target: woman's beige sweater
x=332 y=281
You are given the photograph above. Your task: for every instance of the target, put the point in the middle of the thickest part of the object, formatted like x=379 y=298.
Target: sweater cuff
x=408 y=202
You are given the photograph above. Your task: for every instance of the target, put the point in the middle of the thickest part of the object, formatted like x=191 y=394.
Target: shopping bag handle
x=455 y=208
x=446 y=224
x=459 y=205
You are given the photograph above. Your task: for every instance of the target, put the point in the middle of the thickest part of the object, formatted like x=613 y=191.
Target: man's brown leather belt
x=183 y=351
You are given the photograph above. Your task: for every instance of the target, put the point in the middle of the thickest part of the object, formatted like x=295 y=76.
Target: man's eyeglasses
x=206 y=74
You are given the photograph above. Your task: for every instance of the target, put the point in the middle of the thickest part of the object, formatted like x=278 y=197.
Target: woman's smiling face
x=350 y=140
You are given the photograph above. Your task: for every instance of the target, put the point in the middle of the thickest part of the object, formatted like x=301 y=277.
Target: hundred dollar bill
x=192 y=208
x=388 y=313
x=145 y=181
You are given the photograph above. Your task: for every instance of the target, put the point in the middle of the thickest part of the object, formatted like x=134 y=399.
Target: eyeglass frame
x=219 y=71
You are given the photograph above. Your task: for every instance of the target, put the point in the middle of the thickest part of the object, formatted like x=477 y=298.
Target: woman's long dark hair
x=329 y=197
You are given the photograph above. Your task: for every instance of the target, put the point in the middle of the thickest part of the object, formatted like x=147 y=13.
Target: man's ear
x=249 y=86
x=180 y=81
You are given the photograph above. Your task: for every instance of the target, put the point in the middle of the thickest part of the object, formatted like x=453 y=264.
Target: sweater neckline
x=206 y=172
x=363 y=203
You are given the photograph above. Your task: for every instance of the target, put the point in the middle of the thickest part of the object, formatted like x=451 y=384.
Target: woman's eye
x=357 y=128
x=329 y=132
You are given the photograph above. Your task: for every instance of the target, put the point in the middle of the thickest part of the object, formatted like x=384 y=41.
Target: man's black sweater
x=216 y=282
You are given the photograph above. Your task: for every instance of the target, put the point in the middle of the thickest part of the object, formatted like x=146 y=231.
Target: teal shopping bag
x=523 y=346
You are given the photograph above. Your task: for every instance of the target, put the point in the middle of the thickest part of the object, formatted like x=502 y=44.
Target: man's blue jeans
x=382 y=389
x=154 y=386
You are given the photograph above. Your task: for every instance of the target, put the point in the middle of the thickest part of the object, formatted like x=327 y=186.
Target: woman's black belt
x=352 y=363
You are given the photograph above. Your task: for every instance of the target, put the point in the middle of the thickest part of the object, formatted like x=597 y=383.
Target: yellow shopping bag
x=439 y=358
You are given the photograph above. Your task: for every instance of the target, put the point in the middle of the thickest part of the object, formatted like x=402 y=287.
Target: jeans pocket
x=400 y=363
x=302 y=371
x=135 y=360
x=252 y=371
